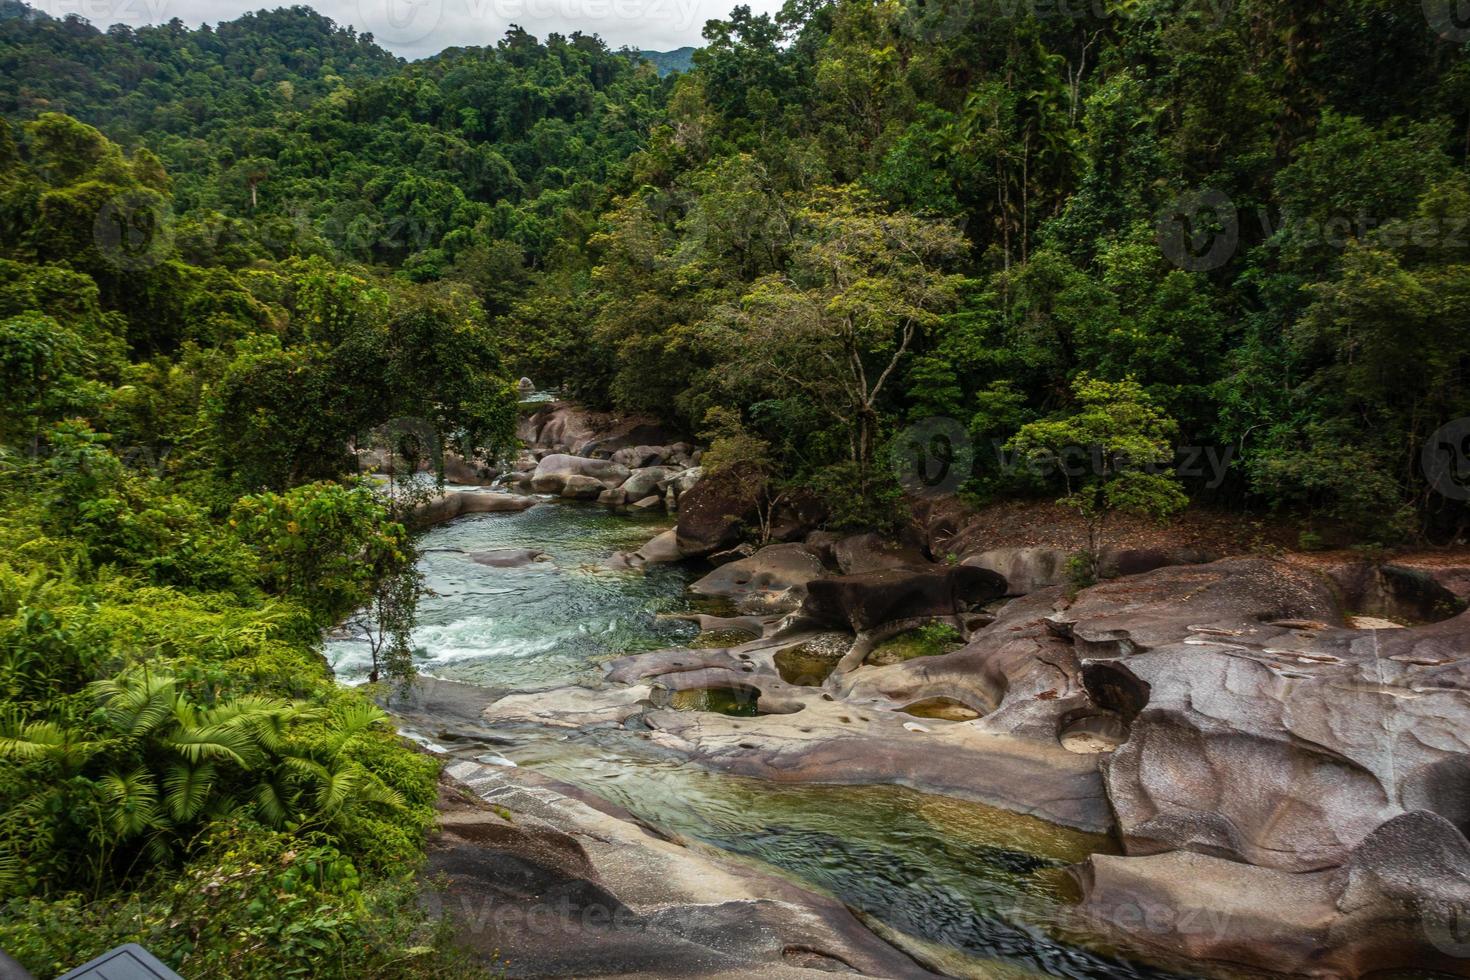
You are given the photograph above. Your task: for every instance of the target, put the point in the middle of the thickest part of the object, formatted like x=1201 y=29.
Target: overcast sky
x=416 y=28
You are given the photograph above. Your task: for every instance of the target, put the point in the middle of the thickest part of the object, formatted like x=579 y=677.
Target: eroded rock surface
x=1299 y=786
x=542 y=881
x=564 y=427
x=775 y=578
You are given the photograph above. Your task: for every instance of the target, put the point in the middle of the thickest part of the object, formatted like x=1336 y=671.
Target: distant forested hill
x=679 y=59
x=170 y=79
x=472 y=160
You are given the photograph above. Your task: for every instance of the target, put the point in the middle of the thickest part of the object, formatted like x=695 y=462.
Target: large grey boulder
x=1030 y=569
x=775 y=577
x=458 y=503
x=859 y=553
x=713 y=509
x=867 y=601
x=637 y=457
x=662 y=549
x=553 y=470
x=467 y=472
x=564 y=427
x=645 y=481
x=578 y=487
x=1025 y=570
x=683 y=481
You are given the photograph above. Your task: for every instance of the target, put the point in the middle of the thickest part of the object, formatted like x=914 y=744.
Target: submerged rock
x=555 y=883
x=507 y=557
x=457 y=503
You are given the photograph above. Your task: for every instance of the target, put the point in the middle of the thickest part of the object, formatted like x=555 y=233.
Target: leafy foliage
x=230 y=256
x=1114 y=453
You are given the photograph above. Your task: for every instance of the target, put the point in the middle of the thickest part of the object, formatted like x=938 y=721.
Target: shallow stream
x=980 y=889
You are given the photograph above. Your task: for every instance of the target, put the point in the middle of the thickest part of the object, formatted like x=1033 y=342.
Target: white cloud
x=417 y=28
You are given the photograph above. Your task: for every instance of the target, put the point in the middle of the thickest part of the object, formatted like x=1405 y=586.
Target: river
x=981 y=890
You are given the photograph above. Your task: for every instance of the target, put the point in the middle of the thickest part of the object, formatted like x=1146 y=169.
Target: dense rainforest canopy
x=228 y=253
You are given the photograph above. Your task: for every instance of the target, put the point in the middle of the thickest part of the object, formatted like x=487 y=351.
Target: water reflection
x=984 y=884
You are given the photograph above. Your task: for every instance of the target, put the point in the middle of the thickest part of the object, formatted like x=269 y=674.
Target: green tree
x=326 y=543
x=41 y=368
x=865 y=286
x=1113 y=454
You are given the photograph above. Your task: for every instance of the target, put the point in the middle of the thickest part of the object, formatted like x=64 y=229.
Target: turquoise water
x=545 y=624
x=981 y=889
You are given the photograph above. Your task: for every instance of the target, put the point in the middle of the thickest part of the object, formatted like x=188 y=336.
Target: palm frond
x=308 y=768
x=221 y=806
x=186 y=789
x=242 y=710
x=47 y=740
x=137 y=703
x=272 y=804
x=132 y=802
x=374 y=790
x=339 y=788
x=351 y=722
x=215 y=742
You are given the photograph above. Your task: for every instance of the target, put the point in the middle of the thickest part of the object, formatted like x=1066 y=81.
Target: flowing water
x=541 y=624
x=982 y=889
